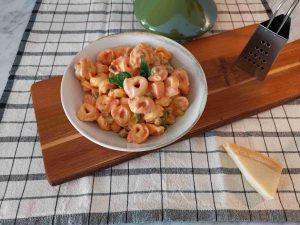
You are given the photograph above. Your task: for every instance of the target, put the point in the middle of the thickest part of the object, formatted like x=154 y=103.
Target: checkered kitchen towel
x=192 y=180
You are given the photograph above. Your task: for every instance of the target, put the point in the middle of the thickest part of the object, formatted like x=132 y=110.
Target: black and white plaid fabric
x=193 y=180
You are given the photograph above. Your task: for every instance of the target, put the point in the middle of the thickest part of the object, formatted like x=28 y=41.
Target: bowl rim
x=141 y=149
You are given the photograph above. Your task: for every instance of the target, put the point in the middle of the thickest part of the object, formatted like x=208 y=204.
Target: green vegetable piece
x=144 y=69
x=165 y=116
x=149 y=94
x=109 y=119
x=181 y=113
x=166 y=126
x=123 y=133
x=137 y=117
x=95 y=96
x=158 y=122
x=162 y=121
x=119 y=78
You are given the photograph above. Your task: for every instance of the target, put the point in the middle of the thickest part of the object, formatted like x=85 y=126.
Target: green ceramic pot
x=176 y=19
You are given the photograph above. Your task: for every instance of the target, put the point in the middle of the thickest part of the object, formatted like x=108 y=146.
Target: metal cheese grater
x=265 y=44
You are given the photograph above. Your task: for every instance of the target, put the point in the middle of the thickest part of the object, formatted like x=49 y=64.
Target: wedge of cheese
x=262 y=172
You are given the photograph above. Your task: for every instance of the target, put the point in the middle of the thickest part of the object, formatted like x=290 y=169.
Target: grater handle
x=275 y=13
x=287 y=15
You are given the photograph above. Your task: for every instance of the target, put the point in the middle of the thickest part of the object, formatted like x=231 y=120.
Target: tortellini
x=140 y=105
x=135 y=86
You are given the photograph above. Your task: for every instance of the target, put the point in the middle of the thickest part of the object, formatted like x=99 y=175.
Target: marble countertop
x=14 y=16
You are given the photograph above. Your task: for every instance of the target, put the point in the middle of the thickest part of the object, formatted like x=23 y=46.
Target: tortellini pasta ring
x=135 y=86
x=141 y=105
x=138 y=134
x=87 y=112
x=121 y=115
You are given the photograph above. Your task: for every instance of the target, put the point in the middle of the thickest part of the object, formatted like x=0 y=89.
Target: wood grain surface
x=232 y=95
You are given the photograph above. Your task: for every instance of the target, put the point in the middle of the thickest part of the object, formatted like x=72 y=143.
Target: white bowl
x=72 y=93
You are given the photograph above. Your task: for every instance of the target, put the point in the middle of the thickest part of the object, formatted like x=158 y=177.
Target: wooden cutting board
x=232 y=95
